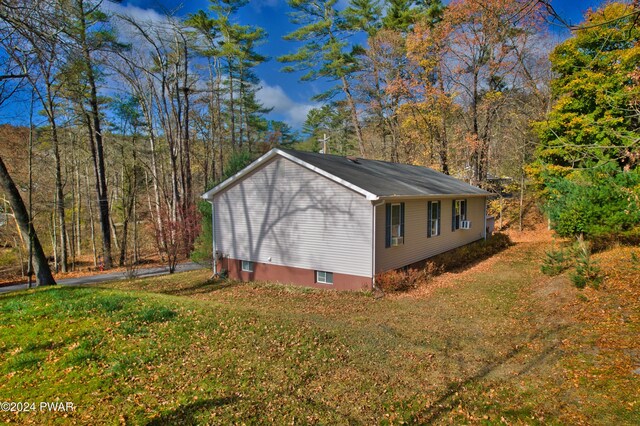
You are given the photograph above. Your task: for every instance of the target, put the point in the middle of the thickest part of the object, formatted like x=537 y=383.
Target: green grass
x=182 y=350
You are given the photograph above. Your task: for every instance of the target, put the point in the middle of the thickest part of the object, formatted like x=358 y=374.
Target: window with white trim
x=433 y=218
x=247 y=266
x=460 y=212
x=323 y=277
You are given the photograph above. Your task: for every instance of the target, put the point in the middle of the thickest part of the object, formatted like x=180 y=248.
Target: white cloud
x=295 y=113
x=135 y=12
x=276 y=98
x=258 y=5
x=149 y=19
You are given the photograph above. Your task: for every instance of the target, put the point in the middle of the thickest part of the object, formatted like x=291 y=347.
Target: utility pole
x=324 y=141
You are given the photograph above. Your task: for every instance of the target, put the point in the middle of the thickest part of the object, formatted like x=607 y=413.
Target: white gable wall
x=295 y=217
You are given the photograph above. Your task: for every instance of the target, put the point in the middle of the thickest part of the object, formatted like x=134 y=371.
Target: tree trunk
x=128 y=204
x=232 y=109
x=101 y=184
x=188 y=196
x=43 y=273
x=522 y=187
x=72 y=230
x=354 y=116
x=475 y=156
x=94 y=248
x=21 y=255
x=444 y=140
x=241 y=106
x=219 y=113
x=60 y=210
x=54 y=234
x=78 y=201
x=136 y=246
x=158 y=219
x=146 y=109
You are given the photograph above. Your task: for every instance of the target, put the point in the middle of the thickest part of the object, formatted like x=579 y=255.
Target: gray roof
x=386 y=179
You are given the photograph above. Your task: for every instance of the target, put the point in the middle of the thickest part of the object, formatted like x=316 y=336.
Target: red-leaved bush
x=421 y=273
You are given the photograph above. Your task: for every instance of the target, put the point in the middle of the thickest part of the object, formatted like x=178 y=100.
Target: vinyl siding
x=295 y=217
x=417 y=246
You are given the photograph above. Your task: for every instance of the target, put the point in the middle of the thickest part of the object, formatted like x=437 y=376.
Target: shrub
x=594 y=202
x=556 y=261
x=406 y=279
x=587 y=271
x=421 y=273
x=603 y=242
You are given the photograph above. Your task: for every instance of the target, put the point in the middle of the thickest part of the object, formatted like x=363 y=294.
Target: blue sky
x=289 y=97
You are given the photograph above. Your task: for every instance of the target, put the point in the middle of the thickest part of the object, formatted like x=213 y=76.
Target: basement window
x=323 y=277
x=247 y=266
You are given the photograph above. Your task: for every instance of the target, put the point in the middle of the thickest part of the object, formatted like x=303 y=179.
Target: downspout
x=213 y=231
x=373 y=237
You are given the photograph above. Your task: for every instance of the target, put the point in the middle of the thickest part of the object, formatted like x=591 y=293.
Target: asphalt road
x=111 y=276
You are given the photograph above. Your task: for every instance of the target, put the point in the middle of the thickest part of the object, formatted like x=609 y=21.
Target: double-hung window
x=394 y=235
x=459 y=213
x=433 y=218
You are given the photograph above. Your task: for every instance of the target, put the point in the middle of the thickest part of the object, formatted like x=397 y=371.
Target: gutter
x=430 y=196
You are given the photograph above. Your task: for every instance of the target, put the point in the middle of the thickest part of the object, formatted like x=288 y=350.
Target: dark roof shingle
x=386 y=179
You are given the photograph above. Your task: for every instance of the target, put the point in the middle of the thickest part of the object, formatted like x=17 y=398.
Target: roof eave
x=425 y=196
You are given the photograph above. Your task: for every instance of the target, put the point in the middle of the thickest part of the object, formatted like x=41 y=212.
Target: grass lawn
x=497 y=343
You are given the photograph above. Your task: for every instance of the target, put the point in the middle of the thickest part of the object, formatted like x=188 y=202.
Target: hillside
x=497 y=343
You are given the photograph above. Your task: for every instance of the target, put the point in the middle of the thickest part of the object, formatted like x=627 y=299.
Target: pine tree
x=595 y=117
x=324 y=53
x=587 y=158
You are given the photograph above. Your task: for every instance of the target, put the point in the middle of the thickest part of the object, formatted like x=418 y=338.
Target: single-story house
x=328 y=221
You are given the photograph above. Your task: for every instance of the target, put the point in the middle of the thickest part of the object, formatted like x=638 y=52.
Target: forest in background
x=476 y=89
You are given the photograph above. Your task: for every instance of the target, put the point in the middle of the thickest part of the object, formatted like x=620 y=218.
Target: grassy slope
x=496 y=343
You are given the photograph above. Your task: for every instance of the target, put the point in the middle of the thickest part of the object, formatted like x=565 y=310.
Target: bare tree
x=42 y=270
x=37 y=54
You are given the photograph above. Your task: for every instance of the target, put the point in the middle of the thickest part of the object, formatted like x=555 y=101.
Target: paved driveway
x=112 y=276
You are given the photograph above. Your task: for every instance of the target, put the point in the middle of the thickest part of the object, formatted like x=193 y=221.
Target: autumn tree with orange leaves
x=480 y=57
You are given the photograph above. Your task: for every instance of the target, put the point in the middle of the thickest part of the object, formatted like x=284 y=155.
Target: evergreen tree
x=364 y=15
x=325 y=53
x=588 y=151
x=595 y=117
x=402 y=15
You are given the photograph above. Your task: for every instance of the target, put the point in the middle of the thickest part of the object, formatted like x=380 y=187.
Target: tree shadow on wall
x=272 y=213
